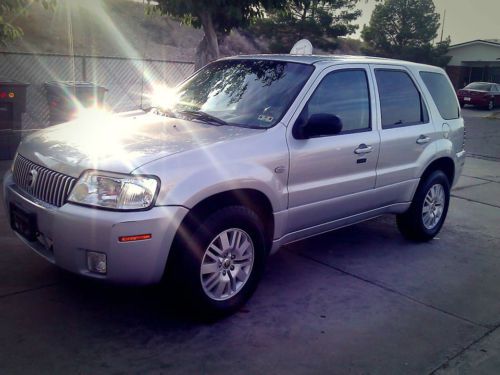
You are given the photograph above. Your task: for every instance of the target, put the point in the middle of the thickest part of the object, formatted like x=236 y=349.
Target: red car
x=480 y=94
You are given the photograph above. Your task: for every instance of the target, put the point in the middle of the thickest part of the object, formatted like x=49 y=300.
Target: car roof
x=314 y=59
x=483 y=83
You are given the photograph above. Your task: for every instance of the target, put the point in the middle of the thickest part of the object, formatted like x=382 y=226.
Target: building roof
x=491 y=42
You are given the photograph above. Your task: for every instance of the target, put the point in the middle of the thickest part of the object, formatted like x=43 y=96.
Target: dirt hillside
x=121 y=28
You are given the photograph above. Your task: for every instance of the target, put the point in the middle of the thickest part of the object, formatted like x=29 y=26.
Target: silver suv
x=248 y=154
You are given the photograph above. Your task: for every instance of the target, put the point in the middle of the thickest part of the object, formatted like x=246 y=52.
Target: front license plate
x=23 y=223
x=467 y=99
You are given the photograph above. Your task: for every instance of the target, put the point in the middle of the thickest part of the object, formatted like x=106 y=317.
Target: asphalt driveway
x=483 y=133
x=360 y=300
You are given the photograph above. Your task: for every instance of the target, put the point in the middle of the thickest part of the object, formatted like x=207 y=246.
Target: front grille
x=42 y=183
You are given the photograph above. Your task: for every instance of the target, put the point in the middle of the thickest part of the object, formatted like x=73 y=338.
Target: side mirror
x=321 y=124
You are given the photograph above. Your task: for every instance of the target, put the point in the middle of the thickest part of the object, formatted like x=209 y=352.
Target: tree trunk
x=208 y=49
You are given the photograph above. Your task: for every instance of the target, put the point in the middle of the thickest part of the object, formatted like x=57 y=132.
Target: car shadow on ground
x=163 y=306
x=475 y=111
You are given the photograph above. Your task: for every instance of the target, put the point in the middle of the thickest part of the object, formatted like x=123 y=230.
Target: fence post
x=84 y=68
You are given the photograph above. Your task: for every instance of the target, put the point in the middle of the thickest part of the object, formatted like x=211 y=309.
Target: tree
x=216 y=17
x=405 y=29
x=320 y=21
x=10 y=10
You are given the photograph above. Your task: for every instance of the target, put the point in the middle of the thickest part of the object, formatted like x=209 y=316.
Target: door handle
x=423 y=139
x=363 y=149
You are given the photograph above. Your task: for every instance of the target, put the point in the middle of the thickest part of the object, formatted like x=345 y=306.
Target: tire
x=420 y=227
x=462 y=104
x=491 y=105
x=236 y=271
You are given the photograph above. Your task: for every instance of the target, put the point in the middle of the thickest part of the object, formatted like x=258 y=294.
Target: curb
x=493 y=116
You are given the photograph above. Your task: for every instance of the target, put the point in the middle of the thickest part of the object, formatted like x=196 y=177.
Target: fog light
x=96 y=262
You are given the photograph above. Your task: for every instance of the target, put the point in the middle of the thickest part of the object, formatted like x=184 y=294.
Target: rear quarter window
x=442 y=93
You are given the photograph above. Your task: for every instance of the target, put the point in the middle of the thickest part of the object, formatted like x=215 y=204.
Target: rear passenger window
x=400 y=102
x=442 y=93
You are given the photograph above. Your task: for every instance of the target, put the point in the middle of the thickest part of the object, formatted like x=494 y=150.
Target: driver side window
x=344 y=94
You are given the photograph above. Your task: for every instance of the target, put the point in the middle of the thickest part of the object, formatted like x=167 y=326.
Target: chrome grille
x=42 y=183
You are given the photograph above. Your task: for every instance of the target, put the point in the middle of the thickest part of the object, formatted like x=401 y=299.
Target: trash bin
x=65 y=98
x=12 y=106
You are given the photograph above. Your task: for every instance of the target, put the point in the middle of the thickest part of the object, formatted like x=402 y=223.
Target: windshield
x=250 y=93
x=479 y=86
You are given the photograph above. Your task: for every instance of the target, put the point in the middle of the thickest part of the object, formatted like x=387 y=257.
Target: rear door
x=407 y=132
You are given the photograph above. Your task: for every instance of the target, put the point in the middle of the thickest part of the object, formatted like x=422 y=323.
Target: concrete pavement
x=360 y=300
x=483 y=134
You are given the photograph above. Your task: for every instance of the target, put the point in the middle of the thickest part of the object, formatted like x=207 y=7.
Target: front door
x=330 y=175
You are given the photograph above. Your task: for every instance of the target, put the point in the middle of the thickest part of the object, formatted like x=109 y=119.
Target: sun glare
x=163 y=97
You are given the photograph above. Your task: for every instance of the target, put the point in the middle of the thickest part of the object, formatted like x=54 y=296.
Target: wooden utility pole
x=442 y=29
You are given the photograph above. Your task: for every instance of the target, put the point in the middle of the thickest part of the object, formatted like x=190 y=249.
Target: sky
x=465 y=19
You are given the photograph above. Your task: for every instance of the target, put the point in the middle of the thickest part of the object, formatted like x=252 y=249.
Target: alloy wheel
x=227 y=264
x=433 y=207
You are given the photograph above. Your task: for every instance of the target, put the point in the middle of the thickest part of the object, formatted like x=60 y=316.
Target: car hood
x=120 y=143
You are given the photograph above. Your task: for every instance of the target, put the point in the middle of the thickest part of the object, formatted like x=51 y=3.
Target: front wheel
x=427 y=213
x=222 y=260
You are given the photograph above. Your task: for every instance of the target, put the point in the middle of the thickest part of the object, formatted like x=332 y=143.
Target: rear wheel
x=220 y=262
x=427 y=213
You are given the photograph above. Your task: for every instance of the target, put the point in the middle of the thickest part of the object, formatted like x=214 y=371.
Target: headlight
x=115 y=191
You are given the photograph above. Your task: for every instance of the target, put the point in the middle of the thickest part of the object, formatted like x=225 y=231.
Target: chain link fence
x=127 y=80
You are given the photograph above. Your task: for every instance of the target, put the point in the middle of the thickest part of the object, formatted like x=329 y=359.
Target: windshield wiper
x=203 y=116
x=163 y=112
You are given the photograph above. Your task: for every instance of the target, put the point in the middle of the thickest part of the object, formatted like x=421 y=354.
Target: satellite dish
x=302 y=47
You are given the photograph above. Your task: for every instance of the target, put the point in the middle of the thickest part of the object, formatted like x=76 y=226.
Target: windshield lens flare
x=164 y=97
x=249 y=93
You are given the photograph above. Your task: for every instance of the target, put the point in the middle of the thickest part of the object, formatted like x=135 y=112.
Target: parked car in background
x=247 y=155
x=480 y=94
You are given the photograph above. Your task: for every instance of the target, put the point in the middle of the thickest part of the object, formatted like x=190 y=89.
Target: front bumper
x=67 y=233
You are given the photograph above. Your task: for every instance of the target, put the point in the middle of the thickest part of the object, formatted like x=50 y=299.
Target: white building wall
x=474 y=52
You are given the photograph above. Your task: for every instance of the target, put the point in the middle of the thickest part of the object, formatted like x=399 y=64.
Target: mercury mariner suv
x=248 y=154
